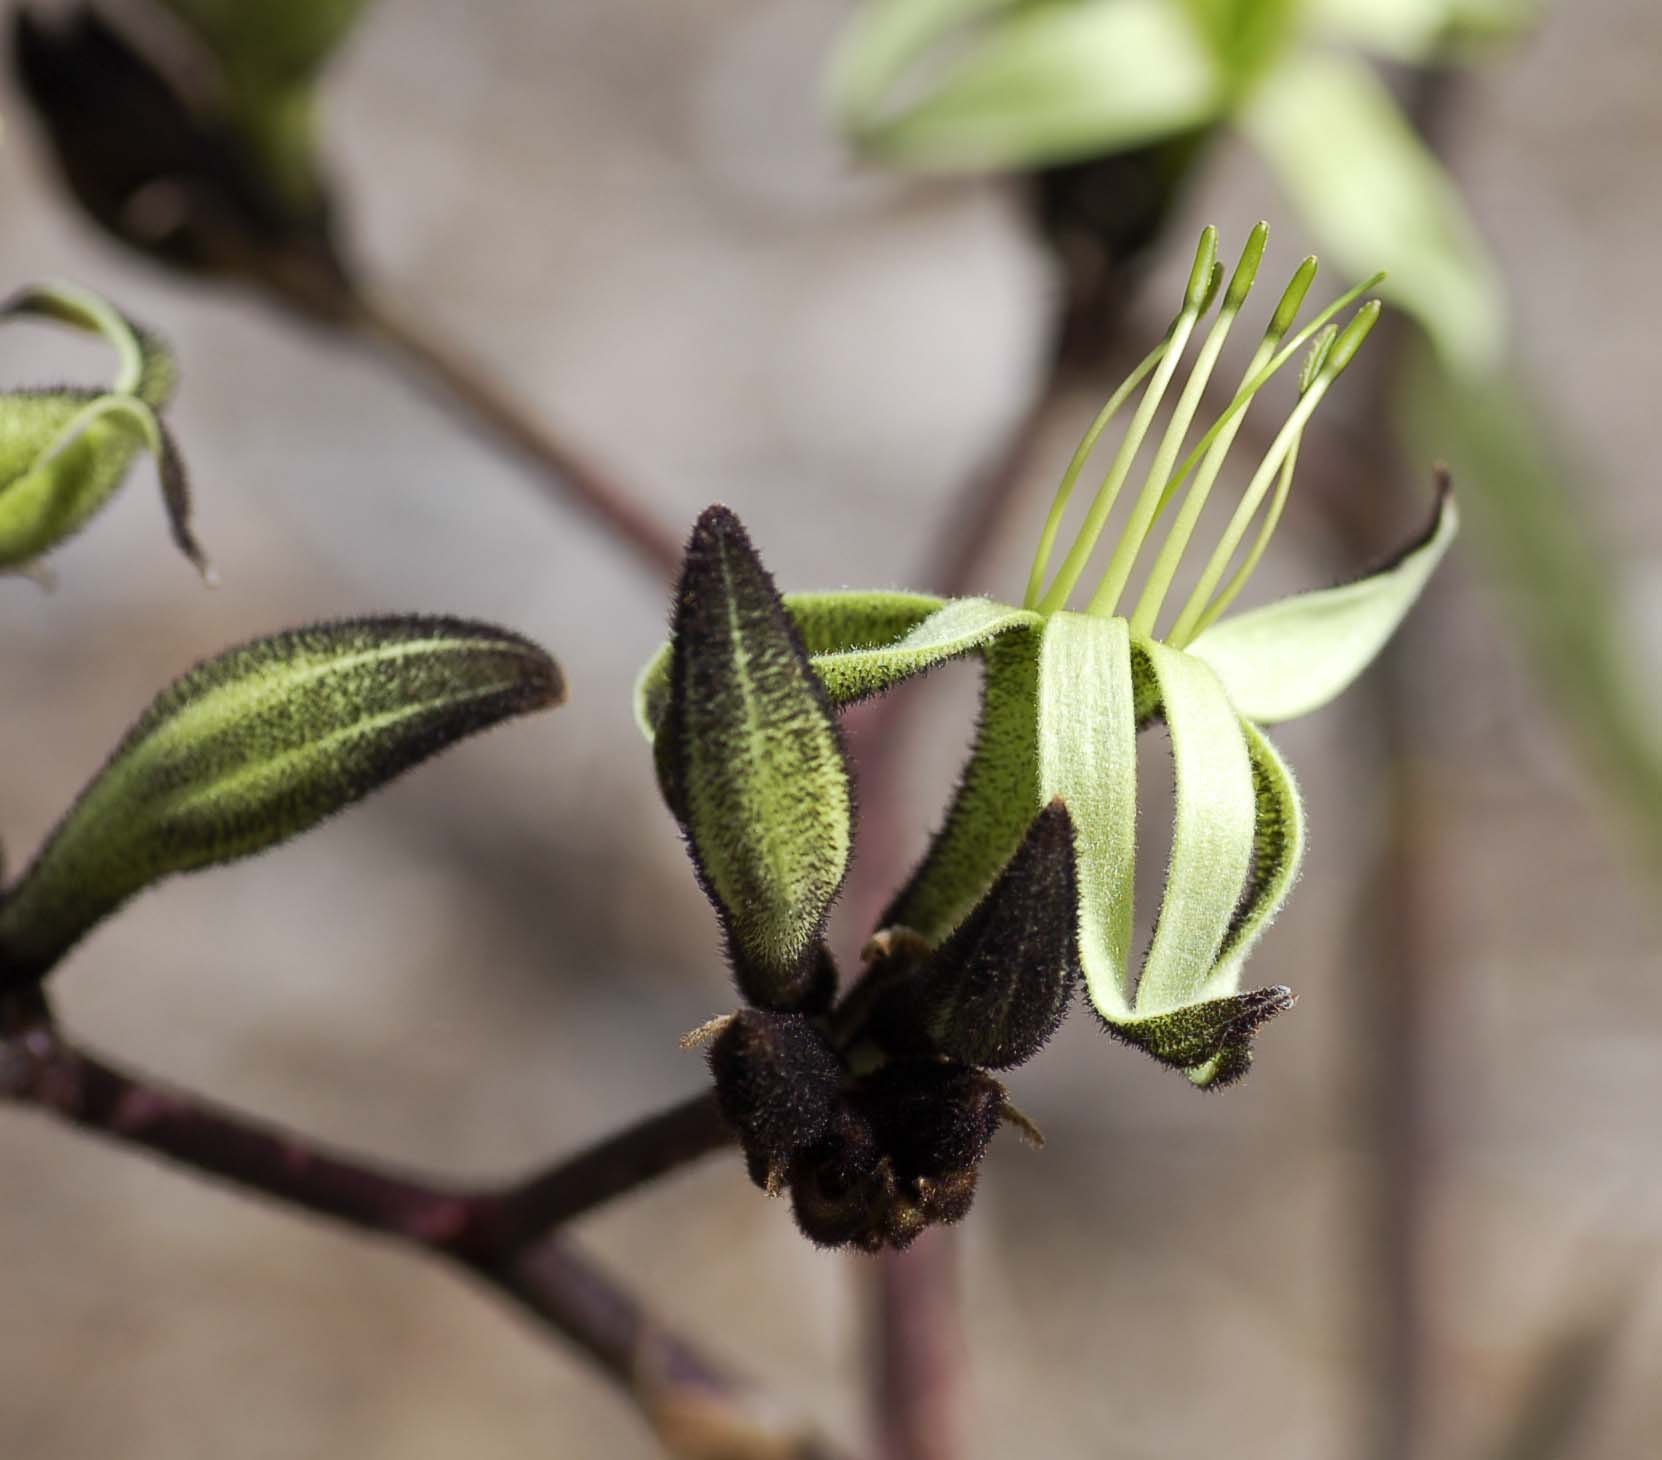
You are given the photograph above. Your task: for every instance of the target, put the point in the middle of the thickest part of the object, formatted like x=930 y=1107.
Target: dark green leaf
x=257 y=745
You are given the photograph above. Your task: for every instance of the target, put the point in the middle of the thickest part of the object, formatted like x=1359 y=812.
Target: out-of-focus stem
x=565 y=473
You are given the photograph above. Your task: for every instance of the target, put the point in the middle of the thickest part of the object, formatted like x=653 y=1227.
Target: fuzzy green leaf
x=997 y=797
x=256 y=746
x=1294 y=655
x=1375 y=195
x=1277 y=853
x=1087 y=755
x=147 y=368
x=1055 y=83
x=752 y=764
x=64 y=452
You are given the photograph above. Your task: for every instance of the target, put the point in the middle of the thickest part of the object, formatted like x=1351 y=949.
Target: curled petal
x=1295 y=655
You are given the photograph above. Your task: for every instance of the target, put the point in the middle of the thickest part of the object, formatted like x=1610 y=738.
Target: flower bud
x=256 y=746
x=751 y=763
x=842 y=1187
x=206 y=165
x=999 y=985
x=777 y=1082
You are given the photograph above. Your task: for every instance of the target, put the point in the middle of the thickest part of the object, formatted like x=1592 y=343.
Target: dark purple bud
x=998 y=987
x=777 y=1081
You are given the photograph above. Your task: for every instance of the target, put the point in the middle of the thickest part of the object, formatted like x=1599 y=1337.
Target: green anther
x=1293 y=299
x=1197 y=295
x=1313 y=362
x=1350 y=340
x=1256 y=382
x=1240 y=283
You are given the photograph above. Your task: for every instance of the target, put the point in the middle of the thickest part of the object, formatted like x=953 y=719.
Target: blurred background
x=634 y=215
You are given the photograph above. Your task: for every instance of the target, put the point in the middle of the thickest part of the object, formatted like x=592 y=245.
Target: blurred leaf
x=882 y=41
x=1422 y=30
x=1296 y=654
x=1528 y=500
x=1247 y=36
x=256 y=746
x=752 y=764
x=1054 y=83
x=1374 y=194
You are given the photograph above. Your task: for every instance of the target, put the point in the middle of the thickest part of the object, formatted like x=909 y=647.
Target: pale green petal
x=1277 y=852
x=963 y=626
x=1295 y=655
x=996 y=799
x=1213 y=832
x=1087 y=755
x=1373 y=193
x=1053 y=83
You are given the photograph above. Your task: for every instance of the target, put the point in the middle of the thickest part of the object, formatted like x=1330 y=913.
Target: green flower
x=1067 y=690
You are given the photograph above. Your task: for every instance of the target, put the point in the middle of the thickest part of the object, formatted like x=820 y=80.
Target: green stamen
x=1204 y=279
x=1222 y=437
x=1070 y=478
x=1126 y=550
x=1342 y=352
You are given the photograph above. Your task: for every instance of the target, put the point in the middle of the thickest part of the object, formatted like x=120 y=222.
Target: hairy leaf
x=752 y=764
x=996 y=798
x=256 y=746
x=65 y=452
